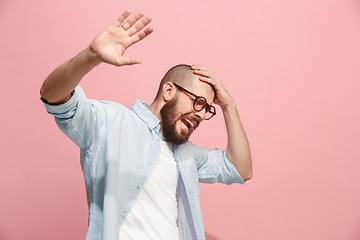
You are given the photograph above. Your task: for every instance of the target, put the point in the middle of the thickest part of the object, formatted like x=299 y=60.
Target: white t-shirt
x=154 y=214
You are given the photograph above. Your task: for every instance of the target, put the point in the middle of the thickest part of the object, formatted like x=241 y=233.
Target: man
x=141 y=172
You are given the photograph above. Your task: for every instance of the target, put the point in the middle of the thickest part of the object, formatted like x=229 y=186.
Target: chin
x=182 y=133
x=177 y=133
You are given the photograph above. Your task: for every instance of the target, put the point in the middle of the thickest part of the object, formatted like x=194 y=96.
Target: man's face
x=179 y=119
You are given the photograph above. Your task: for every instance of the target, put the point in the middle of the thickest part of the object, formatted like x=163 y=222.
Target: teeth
x=184 y=125
x=191 y=124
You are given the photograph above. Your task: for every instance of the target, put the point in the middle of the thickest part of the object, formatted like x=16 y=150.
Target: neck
x=155 y=108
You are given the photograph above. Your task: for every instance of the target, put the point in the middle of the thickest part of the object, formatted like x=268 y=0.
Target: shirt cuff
x=67 y=109
x=233 y=174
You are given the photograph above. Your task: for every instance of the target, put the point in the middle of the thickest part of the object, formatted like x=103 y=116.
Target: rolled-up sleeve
x=67 y=110
x=79 y=118
x=214 y=166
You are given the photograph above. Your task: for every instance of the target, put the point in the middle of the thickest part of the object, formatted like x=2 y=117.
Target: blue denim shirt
x=118 y=149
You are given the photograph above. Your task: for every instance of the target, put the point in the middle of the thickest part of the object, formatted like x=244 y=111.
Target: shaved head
x=181 y=74
x=174 y=105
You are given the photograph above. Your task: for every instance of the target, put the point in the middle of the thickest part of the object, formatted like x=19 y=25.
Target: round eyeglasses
x=199 y=103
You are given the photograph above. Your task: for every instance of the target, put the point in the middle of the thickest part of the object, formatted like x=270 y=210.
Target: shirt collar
x=140 y=108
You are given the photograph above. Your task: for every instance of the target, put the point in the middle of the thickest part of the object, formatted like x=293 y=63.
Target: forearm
x=58 y=86
x=238 y=150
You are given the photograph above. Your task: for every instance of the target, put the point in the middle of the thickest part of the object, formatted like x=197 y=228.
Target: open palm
x=110 y=45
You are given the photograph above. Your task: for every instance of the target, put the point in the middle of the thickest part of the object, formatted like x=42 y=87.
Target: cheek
x=184 y=105
x=184 y=109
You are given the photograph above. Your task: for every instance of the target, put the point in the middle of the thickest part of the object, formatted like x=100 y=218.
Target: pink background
x=292 y=67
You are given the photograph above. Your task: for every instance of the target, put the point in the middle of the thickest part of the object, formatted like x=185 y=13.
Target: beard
x=168 y=115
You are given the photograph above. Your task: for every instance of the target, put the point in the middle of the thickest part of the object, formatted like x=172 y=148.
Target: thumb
x=132 y=61
x=127 y=61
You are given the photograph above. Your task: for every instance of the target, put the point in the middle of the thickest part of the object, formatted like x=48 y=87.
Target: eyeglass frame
x=206 y=105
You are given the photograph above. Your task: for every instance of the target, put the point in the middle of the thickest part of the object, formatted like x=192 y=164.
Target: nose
x=201 y=114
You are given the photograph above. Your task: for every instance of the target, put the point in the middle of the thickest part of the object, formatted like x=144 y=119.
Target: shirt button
x=125 y=211
x=138 y=187
x=151 y=162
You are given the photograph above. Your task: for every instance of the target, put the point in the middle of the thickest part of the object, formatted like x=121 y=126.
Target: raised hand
x=109 y=46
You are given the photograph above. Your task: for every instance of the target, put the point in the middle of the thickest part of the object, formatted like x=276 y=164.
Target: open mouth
x=187 y=123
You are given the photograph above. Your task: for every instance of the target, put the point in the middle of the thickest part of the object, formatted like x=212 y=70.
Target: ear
x=168 y=91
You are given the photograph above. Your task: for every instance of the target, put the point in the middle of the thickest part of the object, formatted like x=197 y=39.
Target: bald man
x=141 y=172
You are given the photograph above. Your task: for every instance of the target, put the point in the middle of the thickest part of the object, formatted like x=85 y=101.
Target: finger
x=128 y=61
x=207 y=80
x=204 y=72
x=216 y=86
x=140 y=35
x=132 y=20
x=139 y=25
x=134 y=61
x=121 y=19
x=198 y=67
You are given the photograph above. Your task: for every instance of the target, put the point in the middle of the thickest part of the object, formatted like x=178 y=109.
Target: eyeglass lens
x=200 y=103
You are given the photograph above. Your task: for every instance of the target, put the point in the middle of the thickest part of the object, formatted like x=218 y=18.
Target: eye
x=201 y=101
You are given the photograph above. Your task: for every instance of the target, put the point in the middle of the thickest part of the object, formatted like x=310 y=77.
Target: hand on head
x=222 y=96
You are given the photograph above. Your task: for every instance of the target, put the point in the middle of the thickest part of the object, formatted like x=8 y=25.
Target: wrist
x=228 y=103
x=91 y=56
x=228 y=107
